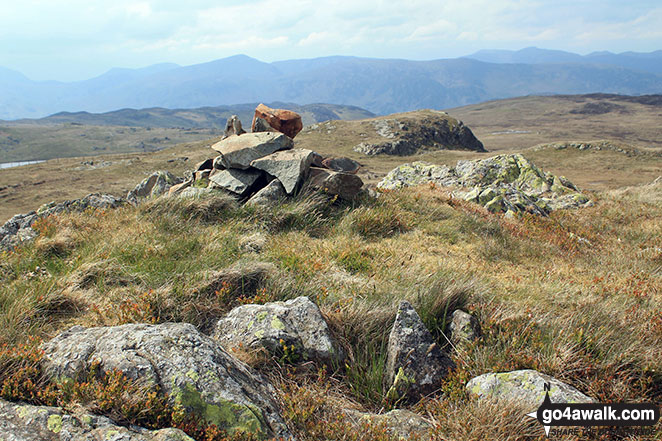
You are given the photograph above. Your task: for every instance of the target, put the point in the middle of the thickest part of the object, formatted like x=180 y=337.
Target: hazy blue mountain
x=203 y=117
x=646 y=62
x=378 y=85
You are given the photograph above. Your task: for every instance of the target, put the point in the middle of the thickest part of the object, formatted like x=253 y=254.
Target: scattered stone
x=236 y=181
x=342 y=164
x=464 y=327
x=270 y=195
x=296 y=324
x=240 y=151
x=41 y=423
x=284 y=121
x=344 y=185
x=178 y=188
x=155 y=184
x=415 y=365
x=290 y=167
x=233 y=127
x=401 y=424
x=507 y=184
x=190 y=368
x=524 y=386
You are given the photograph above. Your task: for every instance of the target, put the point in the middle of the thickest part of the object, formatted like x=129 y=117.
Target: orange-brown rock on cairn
x=284 y=121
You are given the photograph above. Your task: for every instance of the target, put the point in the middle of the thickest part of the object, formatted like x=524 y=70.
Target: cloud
x=134 y=33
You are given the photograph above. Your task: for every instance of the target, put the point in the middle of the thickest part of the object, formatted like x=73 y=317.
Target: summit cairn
x=264 y=162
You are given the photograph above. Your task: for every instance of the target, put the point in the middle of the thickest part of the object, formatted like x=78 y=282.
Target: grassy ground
x=577 y=295
x=25 y=188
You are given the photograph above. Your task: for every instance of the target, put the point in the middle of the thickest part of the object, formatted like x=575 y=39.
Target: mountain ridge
x=381 y=86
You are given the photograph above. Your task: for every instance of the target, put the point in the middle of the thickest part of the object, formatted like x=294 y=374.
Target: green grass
x=585 y=311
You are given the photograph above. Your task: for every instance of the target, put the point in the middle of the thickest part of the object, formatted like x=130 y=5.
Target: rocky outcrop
x=435 y=131
x=415 y=365
x=18 y=229
x=284 y=121
x=524 y=386
x=23 y=422
x=156 y=184
x=503 y=184
x=464 y=328
x=239 y=151
x=295 y=329
x=190 y=368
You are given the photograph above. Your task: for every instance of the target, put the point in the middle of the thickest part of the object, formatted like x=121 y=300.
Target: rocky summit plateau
x=382 y=279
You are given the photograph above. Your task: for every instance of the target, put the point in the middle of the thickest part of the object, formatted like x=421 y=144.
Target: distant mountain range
x=203 y=117
x=379 y=85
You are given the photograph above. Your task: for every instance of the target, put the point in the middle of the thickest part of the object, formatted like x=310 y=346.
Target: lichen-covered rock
x=239 y=151
x=296 y=324
x=285 y=121
x=23 y=422
x=155 y=184
x=524 y=386
x=236 y=181
x=290 y=167
x=464 y=327
x=273 y=193
x=400 y=424
x=503 y=184
x=415 y=365
x=190 y=368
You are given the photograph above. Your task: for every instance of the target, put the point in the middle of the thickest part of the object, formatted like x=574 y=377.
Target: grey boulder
x=190 y=368
x=415 y=365
x=23 y=422
x=297 y=324
x=524 y=386
x=290 y=167
x=239 y=151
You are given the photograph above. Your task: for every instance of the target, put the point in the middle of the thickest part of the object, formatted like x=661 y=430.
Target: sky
x=79 y=39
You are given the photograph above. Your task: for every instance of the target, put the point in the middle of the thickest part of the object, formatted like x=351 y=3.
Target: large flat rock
x=236 y=181
x=238 y=151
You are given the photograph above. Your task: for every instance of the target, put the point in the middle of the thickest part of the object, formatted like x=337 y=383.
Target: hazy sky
x=77 y=39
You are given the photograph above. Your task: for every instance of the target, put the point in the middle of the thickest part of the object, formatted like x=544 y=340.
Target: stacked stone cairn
x=262 y=166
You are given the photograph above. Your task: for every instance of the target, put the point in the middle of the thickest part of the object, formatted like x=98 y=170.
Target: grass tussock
x=576 y=295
